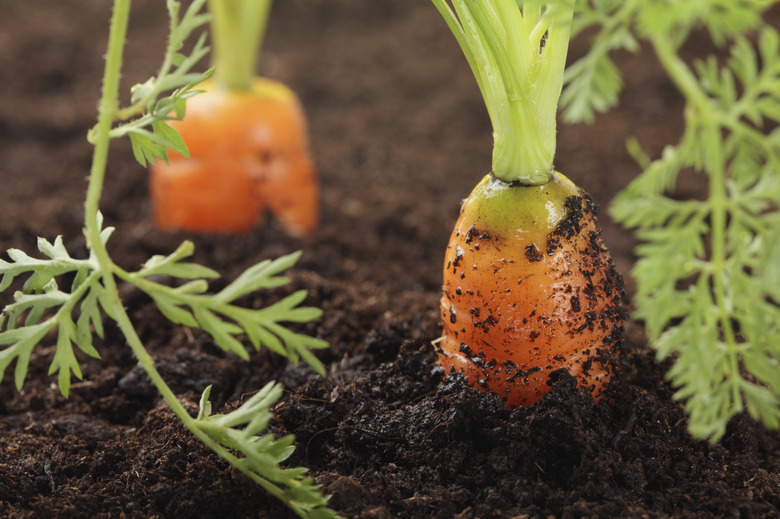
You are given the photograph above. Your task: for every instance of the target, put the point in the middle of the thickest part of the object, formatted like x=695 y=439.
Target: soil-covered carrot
x=529 y=287
x=247 y=142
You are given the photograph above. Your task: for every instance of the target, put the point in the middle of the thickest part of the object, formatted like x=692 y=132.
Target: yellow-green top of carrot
x=517 y=52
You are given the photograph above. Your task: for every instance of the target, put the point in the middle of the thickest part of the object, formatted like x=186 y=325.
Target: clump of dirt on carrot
x=249 y=155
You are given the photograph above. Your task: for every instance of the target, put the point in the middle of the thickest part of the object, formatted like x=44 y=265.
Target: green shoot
x=44 y=306
x=519 y=73
x=707 y=272
x=237 y=31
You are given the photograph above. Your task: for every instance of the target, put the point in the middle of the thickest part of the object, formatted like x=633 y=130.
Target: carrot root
x=519 y=303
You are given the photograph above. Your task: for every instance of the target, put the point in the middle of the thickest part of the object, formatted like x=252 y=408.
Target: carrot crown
x=517 y=52
x=237 y=31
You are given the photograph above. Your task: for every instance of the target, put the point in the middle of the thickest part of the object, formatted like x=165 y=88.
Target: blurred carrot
x=247 y=141
x=529 y=287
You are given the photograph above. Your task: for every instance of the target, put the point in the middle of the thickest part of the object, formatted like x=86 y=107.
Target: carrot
x=247 y=142
x=529 y=292
x=529 y=287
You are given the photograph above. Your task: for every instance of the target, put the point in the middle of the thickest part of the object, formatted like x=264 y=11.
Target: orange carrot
x=247 y=141
x=529 y=287
x=248 y=153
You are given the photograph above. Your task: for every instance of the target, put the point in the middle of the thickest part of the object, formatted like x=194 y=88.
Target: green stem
x=237 y=31
x=108 y=106
x=147 y=363
x=197 y=428
x=109 y=103
x=549 y=80
x=679 y=72
x=193 y=425
x=100 y=136
x=520 y=79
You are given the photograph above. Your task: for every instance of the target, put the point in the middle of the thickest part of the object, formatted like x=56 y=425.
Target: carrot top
x=237 y=31
x=523 y=213
x=517 y=52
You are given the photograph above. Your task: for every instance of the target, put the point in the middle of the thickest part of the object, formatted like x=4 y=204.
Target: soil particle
x=532 y=253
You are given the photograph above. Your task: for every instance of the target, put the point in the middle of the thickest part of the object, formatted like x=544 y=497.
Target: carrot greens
x=237 y=31
x=162 y=97
x=707 y=271
x=517 y=57
x=75 y=312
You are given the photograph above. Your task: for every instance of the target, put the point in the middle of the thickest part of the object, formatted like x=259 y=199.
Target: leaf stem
x=520 y=77
x=102 y=136
x=197 y=428
x=108 y=106
x=698 y=100
x=147 y=363
x=237 y=31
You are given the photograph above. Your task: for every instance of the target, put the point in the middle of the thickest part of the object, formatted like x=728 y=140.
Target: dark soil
x=401 y=136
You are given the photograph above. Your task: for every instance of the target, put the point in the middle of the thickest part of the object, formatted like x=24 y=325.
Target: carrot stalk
x=237 y=31
x=529 y=286
x=519 y=78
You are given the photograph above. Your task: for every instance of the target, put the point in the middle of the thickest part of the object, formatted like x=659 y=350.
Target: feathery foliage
x=707 y=271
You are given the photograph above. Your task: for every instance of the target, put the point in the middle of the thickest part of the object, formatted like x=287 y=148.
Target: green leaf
x=171 y=265
x=262 y=275
x=20 y=342
x=222 y=331
x=142 y=91
x=48 y=308
x=198 y=286
x=54 y=250
x=171 y=136
x=706 y=270
x=261 y=455
x=205 y=404
x=36 y=305
x=174 y=312
x=161 y=97
x=762 y=404
x=259 y=335
x=288 y=310
x=593 y=83
x=90 y=319
x=226 y=322
x=677 y=18
x=148 y=146
x=65 y=361
x=41 y=271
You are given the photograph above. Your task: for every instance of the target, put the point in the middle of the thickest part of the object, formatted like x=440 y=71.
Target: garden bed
x=400 y=136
